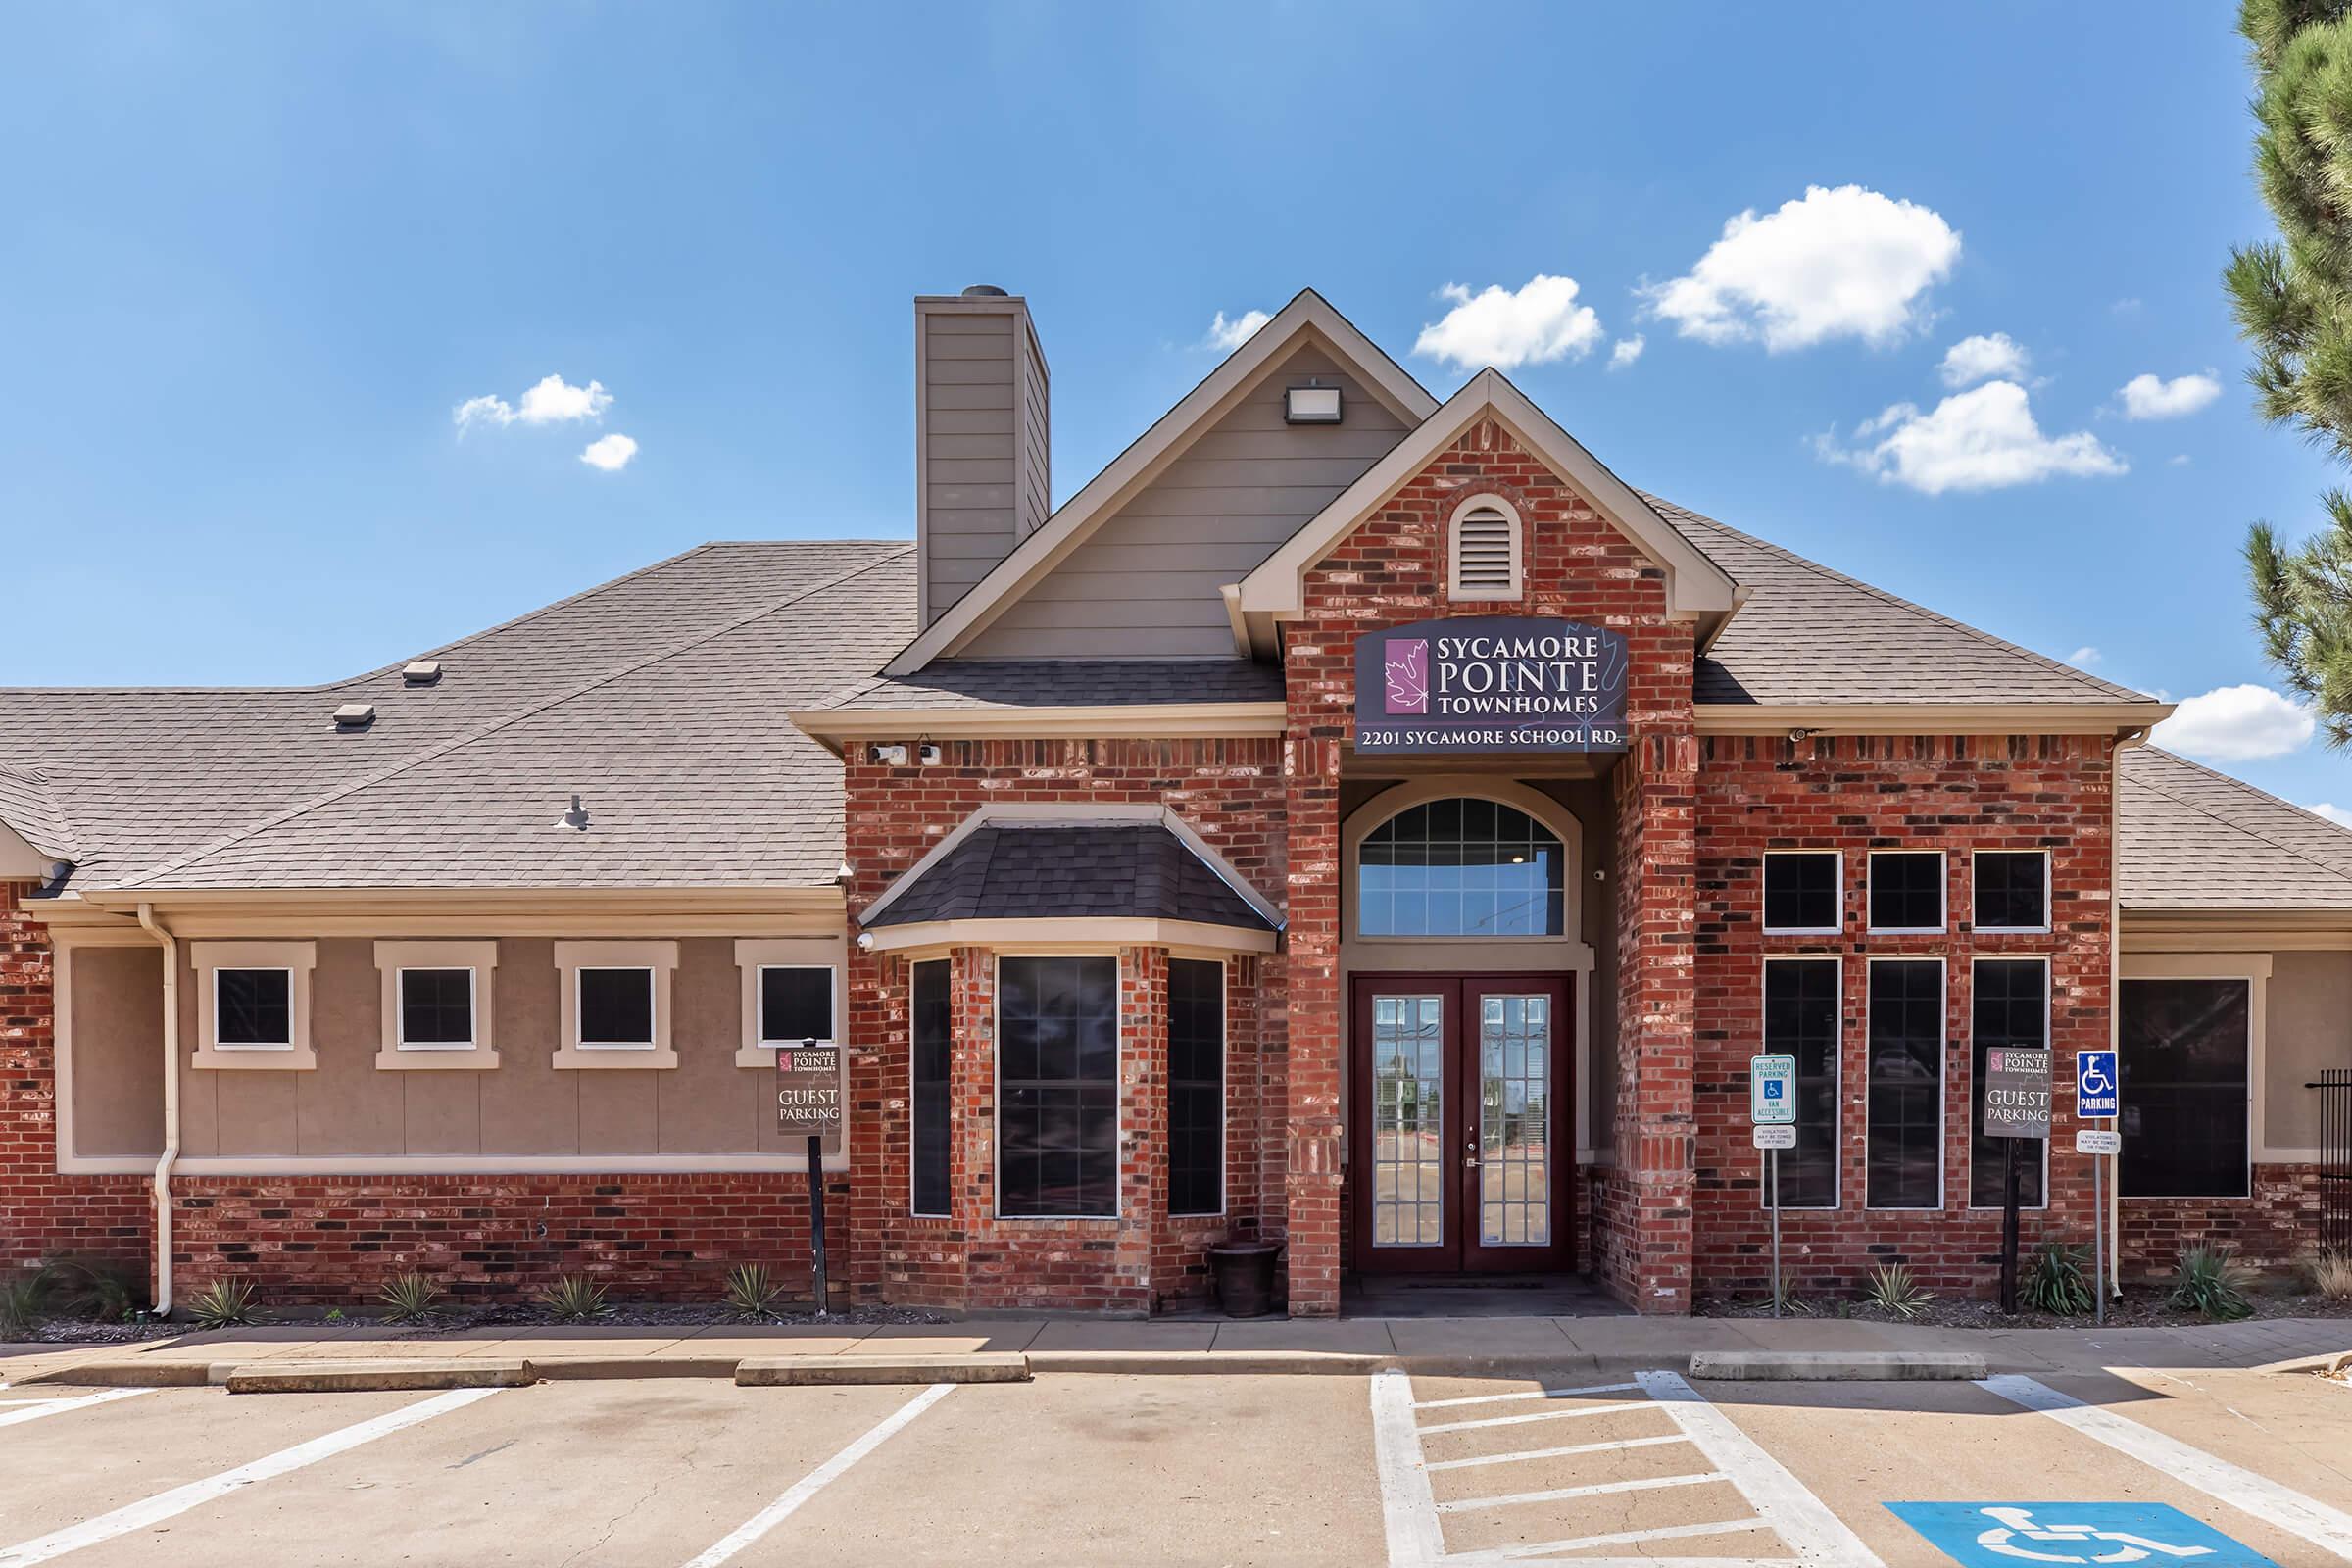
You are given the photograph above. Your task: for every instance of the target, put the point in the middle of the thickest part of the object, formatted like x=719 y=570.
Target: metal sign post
x=1772 y=1109
x=809 y=1102
x=2097 y=1096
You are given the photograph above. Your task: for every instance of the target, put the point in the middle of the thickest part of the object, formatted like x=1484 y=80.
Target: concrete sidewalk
x=1351 y=1345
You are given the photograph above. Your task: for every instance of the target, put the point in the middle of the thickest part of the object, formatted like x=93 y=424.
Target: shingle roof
x=1099 y=870
x=29 y=805
x=2194 y=839
x=1072 y=682
x=1810 y=635
x=661 y=697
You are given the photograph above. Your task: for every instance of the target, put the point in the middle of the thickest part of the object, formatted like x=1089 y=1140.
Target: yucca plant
x=571 y=1299
x=24 y=1300
x=752 y=1291
x=225 y=1303
x=2055 y=1280
x=409 y=1298
x=2331 y=1275
x=1894 y=1289
x=2209 y=1282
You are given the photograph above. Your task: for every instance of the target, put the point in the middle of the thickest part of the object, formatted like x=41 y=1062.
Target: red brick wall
x=2273 y=1231
x=104 y=1219
x=1230 y=791
x=1856 y=793
x=1392 y=571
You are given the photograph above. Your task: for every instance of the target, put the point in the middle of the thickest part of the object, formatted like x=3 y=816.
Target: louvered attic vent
x=1485 y=553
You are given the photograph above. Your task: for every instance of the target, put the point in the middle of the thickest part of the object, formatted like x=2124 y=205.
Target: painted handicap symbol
x=1990 y=1535
x=2095 y=1081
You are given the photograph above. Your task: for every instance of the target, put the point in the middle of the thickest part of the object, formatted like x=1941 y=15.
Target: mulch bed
x=460 y=1319
x=2143 y=1306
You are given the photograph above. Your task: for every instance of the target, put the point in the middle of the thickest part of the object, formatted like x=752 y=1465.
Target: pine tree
x=2293 y=301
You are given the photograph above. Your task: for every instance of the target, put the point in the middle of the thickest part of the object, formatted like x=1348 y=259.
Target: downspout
x=171 y=1155
x=2115 y=984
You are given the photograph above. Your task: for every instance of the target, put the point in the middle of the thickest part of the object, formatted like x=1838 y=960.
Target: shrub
x=1892 y=1287
x=2207 y=1281
x=225 y=1303
x=2055 y=1280
x=24 y=1303
x=571 y=1299
x=95 y=1291
x=752 y=1291
x=409 y=1298
x=2331 y=1275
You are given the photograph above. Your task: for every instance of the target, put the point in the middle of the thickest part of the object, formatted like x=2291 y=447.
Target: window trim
x=2049 y=981
x=1837 y=896
x=2254 y=969
x=571 y=957
x=1224 y=1087
x=913 y=1210
x=787 y=952
x=1119 y=1112
x=1943 y=897
x=394 y=1053
x=1943 y=1083
x=1837 y=1204
x=2048 y=914
x=1486 y=499
x=296 y=959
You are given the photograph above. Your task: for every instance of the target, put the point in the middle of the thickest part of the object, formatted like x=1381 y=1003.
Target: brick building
x=1351 y=821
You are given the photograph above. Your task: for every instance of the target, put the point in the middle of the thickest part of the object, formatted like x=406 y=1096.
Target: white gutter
x=2114 y=985
x=163 y=1166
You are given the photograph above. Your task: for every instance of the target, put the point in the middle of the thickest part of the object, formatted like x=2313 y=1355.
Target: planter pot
x=1244 y=1276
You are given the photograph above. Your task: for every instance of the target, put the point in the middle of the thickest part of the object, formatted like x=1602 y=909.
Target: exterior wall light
x=1311 y=405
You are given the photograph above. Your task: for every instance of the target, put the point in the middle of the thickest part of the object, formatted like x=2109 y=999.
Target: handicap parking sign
x=2002 y=1535
x=2094 y=1083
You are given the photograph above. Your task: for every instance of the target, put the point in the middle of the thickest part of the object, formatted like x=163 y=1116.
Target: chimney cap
x=985 y=291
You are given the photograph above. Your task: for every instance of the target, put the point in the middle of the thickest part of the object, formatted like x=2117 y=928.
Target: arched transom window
x=1462 y=867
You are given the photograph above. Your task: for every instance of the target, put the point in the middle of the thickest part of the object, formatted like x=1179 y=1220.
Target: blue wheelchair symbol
x=2094 y=1083
x=1992 y=1534
x=1772 y=1089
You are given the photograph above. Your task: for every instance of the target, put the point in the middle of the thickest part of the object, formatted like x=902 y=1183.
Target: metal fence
x=2334 y=1089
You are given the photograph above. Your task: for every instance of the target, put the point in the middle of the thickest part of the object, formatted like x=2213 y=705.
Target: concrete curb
x=576 y=1368
x=131 y=1375
x=1836 y=1366
x=1179 y=1363
x=346 y=1377
x=811 y=1371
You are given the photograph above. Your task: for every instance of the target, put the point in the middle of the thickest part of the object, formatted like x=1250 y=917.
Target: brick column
x=1312 y=1126
x=1143 y=1112
x=1649 y=1261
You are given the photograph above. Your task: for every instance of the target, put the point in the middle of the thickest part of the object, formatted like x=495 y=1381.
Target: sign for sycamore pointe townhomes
x=1491 y=683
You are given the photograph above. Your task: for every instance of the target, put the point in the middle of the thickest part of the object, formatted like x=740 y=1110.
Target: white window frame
x=287 y=1044
x=652 y=1027
x=754 y=956
x=1943 y=897
x=2253 y=970
x=1118 y=1123
x=1837 y=896
x=2048 y=915
x=661 y=959
x=395 y=1053
x=1943 y=1083
x=913 y=1213
x=1836 y=1075
x=2049 y=978
x=1481 y=502
x=295 y=960
x=1224 y=1085
x=473 y=1016
x=832 y=1033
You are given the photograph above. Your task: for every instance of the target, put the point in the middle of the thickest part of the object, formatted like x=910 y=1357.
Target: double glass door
x=1460 y=1152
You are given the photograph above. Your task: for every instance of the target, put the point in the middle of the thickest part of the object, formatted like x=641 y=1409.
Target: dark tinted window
x=1800 y=1020
x=1196 y=1086
x=1904 y=1157
x=436 y=1007
x=254 y=1006
x=2183 y=1062
x=1461 y=869
x=1906 y=890
x=616 y=1007
x=2012 y=1008
x=796 y=1004
x=930 y=1054
x=1801 y=891
x=1058 y=1098
x=2012 y=890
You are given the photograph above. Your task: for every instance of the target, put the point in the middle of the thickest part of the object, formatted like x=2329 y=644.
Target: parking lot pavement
x=1416 y=1472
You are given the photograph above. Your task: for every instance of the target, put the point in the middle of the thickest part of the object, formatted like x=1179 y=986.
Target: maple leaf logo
x=1405 y=671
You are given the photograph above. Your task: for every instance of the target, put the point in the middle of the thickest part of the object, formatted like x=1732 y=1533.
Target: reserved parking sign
x=1771 y=1090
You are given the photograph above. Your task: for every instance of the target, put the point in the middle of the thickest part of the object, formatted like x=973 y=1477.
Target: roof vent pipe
x=575 y=818
x=985 y=291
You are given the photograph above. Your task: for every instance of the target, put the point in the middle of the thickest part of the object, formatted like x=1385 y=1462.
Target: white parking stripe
x=1819 y=1536
x=41 y=1407
x=1630 y=1537
x=1556 y=1453
x=179 y=1500
x=1598 y=1488
x=1536 y=1394
x=1540 y=1415
x=816 y=1480
x=1407 y=1508
x=2327 y=1528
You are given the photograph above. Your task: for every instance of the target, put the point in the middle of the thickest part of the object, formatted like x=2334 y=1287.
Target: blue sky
x=254 y=259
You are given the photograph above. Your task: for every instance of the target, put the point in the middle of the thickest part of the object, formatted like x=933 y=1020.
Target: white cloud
x=1982 y=358
x=611 y=453
x=2234 y=723
x=1981 y=439
x=2146 y=397
x=1229 y=336
x=2333 y=813
x=1626 y=351
x=1837 y=263
x=1539 y=323
x=552 y=401
x=2083 y=657
x=2179 y=459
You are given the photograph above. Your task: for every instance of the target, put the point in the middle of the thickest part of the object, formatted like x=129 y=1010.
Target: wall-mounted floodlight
x=1311 y=405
